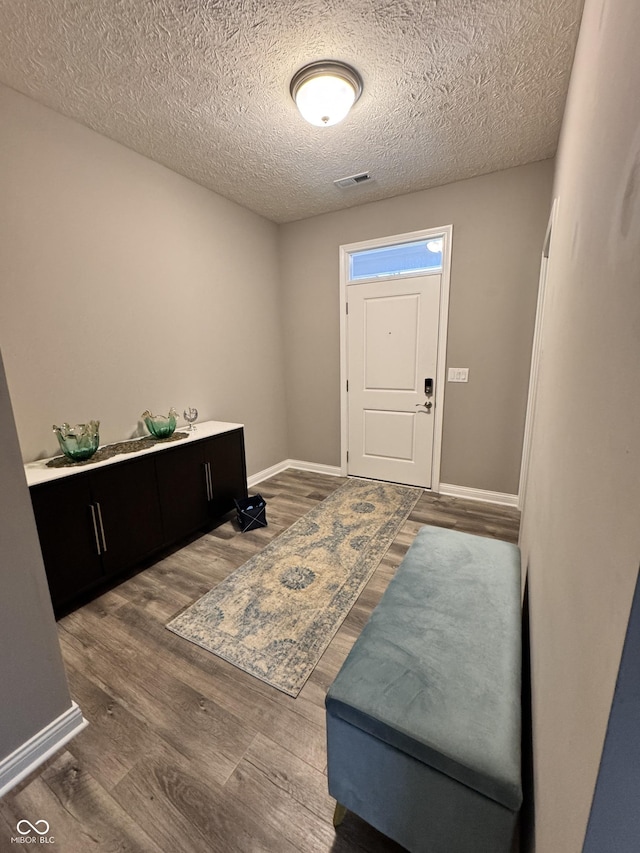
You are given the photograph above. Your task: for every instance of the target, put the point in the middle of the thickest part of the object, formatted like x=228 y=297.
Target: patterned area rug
x=275 y=615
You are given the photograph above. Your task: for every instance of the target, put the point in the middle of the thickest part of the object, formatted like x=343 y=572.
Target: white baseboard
x=478 y=495
x=254 y=479
x=335 y=471
x=28 y=757
x=316 y=467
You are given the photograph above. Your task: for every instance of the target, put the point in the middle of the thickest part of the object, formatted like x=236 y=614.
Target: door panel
x=390 y=342
x=389 y=434
x=182 y=487
x=68 y=537
x=392 y=331
x=129 y=512
x=225 y=455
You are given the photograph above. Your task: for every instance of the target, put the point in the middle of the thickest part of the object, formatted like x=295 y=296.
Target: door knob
x=426 y=405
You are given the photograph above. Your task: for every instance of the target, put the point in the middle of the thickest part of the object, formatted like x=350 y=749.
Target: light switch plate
x=458 y=374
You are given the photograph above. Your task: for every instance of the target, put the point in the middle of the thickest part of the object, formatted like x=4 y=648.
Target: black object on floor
x=251 y=512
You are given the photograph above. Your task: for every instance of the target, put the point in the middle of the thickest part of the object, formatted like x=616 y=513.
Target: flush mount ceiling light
x=325 y=91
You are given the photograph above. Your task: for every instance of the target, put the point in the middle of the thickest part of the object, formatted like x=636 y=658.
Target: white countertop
x=37 y=472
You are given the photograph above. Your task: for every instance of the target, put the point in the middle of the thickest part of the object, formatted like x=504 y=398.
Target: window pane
x=405 y=258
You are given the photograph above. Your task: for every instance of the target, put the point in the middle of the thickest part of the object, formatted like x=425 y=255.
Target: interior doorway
x=536 y=355
x=395 y=298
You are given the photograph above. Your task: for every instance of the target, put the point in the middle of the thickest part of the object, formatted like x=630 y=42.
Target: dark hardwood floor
x=184 y=752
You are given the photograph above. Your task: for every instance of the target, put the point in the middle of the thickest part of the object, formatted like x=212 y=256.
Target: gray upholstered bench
x=423 y=719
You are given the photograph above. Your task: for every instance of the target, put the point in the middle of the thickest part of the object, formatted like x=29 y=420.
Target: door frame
x=446 y=232
x=536 y=356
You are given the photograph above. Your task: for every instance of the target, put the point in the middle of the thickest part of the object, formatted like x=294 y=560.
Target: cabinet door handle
x=95 y=527
x=210 y=481
x=207 y=479
x=104 y=541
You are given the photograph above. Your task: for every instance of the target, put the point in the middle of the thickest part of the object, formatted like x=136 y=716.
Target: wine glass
x=190 y=416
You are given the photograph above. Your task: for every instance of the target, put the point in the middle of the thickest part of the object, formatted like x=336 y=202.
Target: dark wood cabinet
x=224 y=455
x=199 y=483
x=97 y=524
x=68 y=537
x=183 y=490
x=128 y=509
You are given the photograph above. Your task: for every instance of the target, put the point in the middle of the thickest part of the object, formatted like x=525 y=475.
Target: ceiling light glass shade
x=324 y=92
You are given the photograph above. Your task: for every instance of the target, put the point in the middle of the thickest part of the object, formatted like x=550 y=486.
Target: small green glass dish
x=79 y=442
x=160 y=426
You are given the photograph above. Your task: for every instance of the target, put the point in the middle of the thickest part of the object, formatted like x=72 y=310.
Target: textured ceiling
x=452 y=88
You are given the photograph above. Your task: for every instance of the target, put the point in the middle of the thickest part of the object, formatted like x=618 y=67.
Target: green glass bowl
x=79 y=442
x=160 y=426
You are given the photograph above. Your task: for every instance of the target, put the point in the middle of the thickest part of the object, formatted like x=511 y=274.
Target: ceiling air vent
x=352 y=180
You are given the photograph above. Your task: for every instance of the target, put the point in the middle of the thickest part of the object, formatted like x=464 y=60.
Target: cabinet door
x=182 y=486
x=68 y=538
x=126 y=497
x=225 y=455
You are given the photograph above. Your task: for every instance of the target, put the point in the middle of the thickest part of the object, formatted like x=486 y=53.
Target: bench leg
x=338 y=815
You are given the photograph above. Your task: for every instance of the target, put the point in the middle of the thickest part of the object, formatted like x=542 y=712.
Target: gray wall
x=581 y=524
x=125 y=287
x=499 y=222
x=32 y=680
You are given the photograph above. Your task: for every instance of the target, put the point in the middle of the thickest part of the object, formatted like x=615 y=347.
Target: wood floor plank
x=89 y=804
x=171 y=806
x=277 y=808
x=288 y=773
x=183 y=813
x=38 y=802
x=184 y=752
x=82 y=816
x=111 y=747
x=184 y=718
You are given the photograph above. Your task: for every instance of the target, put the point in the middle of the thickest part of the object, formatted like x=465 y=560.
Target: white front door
x=392 y=333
